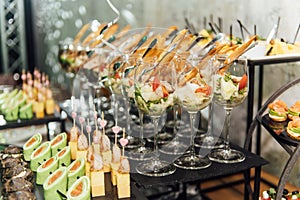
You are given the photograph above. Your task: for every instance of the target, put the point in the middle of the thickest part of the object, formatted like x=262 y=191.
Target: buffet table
x=215 y=171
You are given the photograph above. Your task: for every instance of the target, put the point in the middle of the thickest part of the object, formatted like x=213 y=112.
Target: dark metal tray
x=278 y=130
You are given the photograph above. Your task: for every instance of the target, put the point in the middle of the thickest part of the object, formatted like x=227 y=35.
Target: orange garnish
x=77 y=190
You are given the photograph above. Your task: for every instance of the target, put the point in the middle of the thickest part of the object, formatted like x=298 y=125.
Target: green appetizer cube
x=46 y=169
x=58 y=143
x=55 y=184
x=75 y=170
x=31 y=145
x=26 y=111
x=64 y=157
x=41 y=154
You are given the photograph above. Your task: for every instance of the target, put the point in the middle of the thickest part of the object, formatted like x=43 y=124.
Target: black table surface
x=216 y=170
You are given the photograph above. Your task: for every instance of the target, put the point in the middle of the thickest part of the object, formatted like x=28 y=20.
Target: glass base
x=174 y=148
x=155 y=168
x=226 y=156
x=179 y=124
x=186 y=132
x=188 y=161
x=162 y=138
x=208 y=142
x=141 y=153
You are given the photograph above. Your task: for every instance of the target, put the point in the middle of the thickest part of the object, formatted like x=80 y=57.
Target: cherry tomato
x=155 y=83
x=117 y=76
x=165 y=91
x=243 y=82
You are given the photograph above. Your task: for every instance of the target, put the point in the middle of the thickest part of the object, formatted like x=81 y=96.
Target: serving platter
x=278 y=130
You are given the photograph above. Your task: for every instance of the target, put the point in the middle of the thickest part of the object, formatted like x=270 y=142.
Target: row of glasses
x=156 y=86
x=194 y=91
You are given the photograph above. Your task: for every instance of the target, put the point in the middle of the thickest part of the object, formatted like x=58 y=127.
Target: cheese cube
x=73 y=146
x=123 y=191
x=81 y=154
x=98 y=190
x=88 y=169
x=50 y=106
x=123 y=179
x=39 y=110
x=97 y=183
x=114 y=170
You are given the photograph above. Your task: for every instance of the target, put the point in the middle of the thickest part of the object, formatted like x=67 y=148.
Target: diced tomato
x=243 y=82
x=206 y=90
x=117 y=76
x=155 y=83
x=165 y=91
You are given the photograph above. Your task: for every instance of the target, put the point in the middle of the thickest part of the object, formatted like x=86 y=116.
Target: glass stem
x=141 y=118
x=97 y=101
x=175 y=112
x=115 y=106
x=155 y=122
x=226 y=128
x=127 y=107
x=192 y=142
x=210 y=120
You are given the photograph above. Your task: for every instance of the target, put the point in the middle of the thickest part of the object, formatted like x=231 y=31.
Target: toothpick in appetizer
x=82 y=144
x=97 y=176
x=123 y=174
x=105 y=146
x=97 y=134
x=74 y=132
x=90 y=151
x=116 y=156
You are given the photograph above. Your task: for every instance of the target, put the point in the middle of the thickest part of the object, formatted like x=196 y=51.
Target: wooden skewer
x=202 y=63
x=93 y=35
x=123 y=32
x=227 y=49
x=107 y=34
x=239 y=51
x=80 y=33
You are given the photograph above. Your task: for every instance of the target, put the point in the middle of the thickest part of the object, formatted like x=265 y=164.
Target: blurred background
x=31 y=31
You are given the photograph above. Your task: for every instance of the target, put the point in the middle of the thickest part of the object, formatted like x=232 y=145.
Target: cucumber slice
x=46 y=169
x=55 y=184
